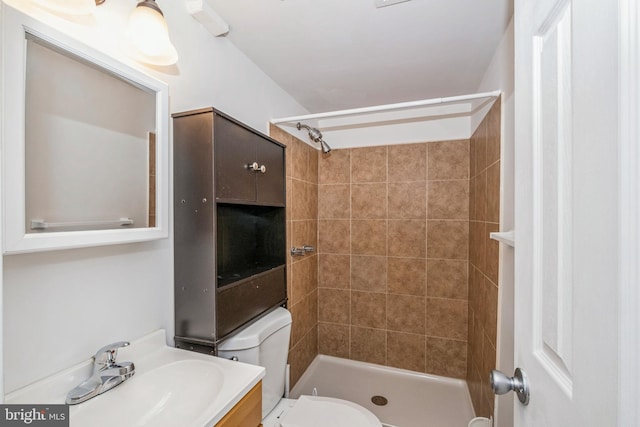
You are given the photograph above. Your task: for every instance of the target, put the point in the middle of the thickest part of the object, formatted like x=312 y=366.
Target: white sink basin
x=170 y=388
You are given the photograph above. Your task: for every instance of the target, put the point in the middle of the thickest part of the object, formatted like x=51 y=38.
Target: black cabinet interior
x=250 y=240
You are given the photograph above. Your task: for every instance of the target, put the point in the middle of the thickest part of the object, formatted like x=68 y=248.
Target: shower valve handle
x=263 y=169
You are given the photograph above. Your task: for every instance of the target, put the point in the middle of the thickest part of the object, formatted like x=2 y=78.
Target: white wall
x=500 y=76
x=60 y=307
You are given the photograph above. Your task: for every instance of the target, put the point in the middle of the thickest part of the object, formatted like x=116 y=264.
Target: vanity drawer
x=247 y=412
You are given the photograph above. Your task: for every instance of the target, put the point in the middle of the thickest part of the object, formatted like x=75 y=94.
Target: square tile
x=333 y=236
x=305 y=317
x=406 y=276
x=368 y=309
x=406 y=313
x=369 y=201
x=334 y=201
x=447 y=278
x=304 y=278
x=447 y=318
x=406 y=351
x=369 y=237
x=335 y=167
x=407 y=200
x=407 y=162
x=369 y=273
x=333 y=305
x=448 y=160
x=447 y=357
x=333 y=271
x=333 y=340
x=369 y=164
x=448 y=199
x=368 y=345
x=407 y=238
x=447 y=239
x=492 y=206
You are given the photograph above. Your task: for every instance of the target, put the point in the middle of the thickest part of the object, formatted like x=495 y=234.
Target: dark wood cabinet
x=229 y=227
x=248 y=167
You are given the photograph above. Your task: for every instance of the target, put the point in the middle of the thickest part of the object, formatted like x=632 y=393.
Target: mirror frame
x=15 y=27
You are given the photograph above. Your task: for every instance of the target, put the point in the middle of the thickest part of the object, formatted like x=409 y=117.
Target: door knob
x=501 y=384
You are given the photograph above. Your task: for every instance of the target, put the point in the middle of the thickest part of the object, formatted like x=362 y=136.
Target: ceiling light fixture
x=149 y=35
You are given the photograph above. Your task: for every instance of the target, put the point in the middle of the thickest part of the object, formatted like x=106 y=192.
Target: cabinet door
x=270 y=184
x=235 y=149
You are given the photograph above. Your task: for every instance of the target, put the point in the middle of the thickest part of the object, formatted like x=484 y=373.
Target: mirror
x=86 y=147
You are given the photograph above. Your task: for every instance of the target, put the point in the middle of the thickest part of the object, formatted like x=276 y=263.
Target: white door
x=566 y=211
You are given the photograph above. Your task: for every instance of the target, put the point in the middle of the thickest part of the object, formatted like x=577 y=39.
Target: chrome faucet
x=106 y=374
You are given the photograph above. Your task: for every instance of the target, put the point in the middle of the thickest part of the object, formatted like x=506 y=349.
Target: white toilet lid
x=318 y=411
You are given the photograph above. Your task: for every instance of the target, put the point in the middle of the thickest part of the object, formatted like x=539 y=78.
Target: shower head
x=316 y=136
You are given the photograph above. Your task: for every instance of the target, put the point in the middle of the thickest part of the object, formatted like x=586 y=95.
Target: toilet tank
x=265 y=342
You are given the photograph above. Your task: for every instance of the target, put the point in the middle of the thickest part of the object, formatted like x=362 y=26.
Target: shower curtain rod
x=388 y=107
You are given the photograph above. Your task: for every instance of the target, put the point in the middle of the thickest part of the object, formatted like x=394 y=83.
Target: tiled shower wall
x=393 y=232
x=484 y=218
x=302 y=272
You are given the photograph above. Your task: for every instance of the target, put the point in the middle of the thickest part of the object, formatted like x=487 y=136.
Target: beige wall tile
x=492 y=206
x=448 y=199
x=333 y=305
x=304 y=278
x=447 y=357
x=334 y=201
x=304 y=232
x=368 y=309
x=473 y=171
x=369 y=164
x=447 y=278
x=481 y=147
x=305 y=317
x=493 y=132
x=369 y=237
x=333 y=339
x=333 y=236
x=406 y=351
x=407 y=238
x=408 y=162
x=492 y=250
x=489 y=309
x=333 y=271
x=481 y=196
x=369 y=201
x=368 y=345
x=406 y=313
x=448 y=160
x=407 y=200
x=447 y=318
x=302 y=354
x=312 y=171
x=335 y=168
x=369 y=273
x=406 y=276
x=447 y=239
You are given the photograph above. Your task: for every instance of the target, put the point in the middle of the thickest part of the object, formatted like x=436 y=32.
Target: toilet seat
x=320 y=411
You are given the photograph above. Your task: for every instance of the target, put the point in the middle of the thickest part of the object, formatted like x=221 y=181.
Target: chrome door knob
x=501 y=384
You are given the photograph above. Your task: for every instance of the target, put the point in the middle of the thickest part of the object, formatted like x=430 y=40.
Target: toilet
x=266 y=343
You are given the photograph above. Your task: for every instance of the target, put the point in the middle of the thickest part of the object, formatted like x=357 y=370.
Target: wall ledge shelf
x=506 y=237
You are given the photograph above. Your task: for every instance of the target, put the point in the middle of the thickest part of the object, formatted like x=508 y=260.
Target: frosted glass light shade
x=69 y=7
x=149 y=36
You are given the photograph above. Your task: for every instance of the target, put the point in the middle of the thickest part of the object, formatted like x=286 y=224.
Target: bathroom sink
x=171 y=387
x=170 y=395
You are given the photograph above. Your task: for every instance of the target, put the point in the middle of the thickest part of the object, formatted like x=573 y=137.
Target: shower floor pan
x=412 y=399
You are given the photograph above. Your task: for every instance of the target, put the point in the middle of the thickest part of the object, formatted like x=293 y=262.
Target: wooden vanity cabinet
x=247 y=412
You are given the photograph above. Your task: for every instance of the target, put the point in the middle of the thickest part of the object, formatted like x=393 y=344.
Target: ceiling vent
x=383 y=3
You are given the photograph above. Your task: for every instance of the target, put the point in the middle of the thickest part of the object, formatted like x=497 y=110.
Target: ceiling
x=339 y=54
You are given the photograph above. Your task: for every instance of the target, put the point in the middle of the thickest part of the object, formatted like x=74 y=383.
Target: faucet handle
x=106 y=356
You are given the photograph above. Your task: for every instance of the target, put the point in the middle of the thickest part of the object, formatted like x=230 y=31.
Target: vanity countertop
x=169 y=386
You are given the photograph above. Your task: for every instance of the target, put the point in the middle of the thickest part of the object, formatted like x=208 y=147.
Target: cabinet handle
x=263 y=169
x=253 y=166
